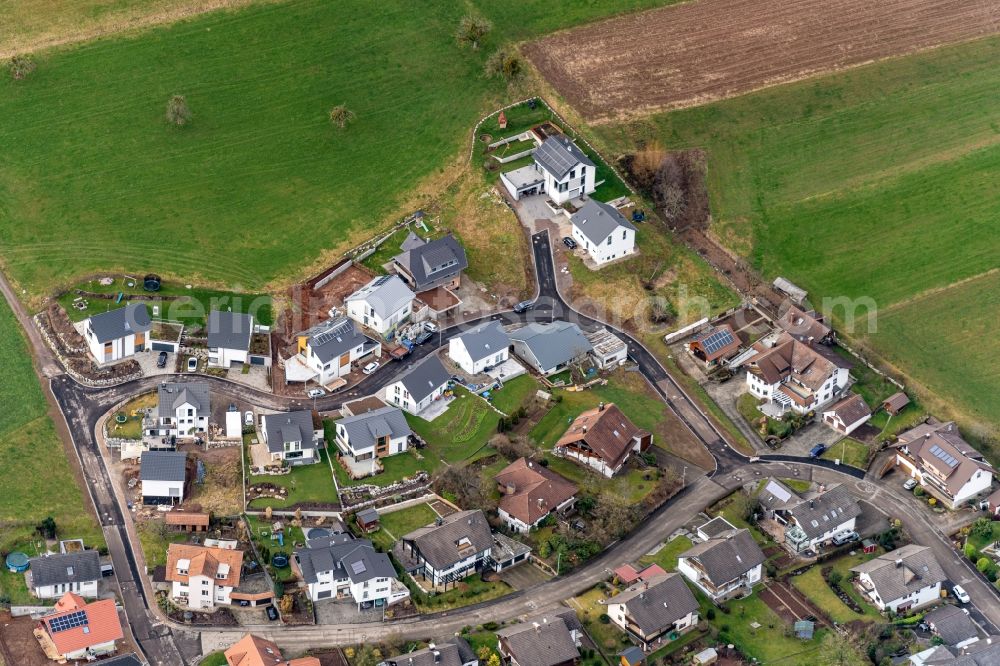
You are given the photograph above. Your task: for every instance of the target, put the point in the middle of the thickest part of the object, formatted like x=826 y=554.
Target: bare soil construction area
x=700 y=51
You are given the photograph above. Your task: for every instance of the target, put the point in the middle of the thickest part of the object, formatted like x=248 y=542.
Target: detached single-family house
x=118 y=334
x=78 y=630
x=163 y=474
x=795 y=376
x=327 y=351
x=806 y=326
x=202 y=576
x=550 y=348
x=52 y=576
x=183 y=410
x=984 y=652
x=292 y=436
x=418 y=388
x=847 y=415
x=714 y=345
x=339 y=567
x=375 y=434
x=650 y=610
x=561 y=171
x=725 y=566
x=483 y=347
x=382 y=304
x=609 y=351
x=451 y=549
x=229 y=336
x=530 y=492
x=810 y=522
x=428 y=264
x=603 y=232
x=544 y=640
x=952 y=625
x=255 y=651
x=603 y=438
x=900 y=580
x=943 y=463
x=456 y=651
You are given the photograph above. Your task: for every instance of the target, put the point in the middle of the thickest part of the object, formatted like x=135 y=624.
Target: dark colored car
x=423 y=337
x=272 y=613
x=569 y=242
x=817 y=451
x=523 y=306
x=161 y=360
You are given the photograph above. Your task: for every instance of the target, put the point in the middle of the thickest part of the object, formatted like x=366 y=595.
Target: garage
x=159 y=346
x=258 y=360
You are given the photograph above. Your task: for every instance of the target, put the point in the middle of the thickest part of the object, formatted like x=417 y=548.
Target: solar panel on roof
x=70 y=621
x=358 y=567
x=382 y=280
x=717 y=341
x=944 y=456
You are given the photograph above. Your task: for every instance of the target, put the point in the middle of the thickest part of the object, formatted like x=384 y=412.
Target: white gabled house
x=291 y=437
x=382 y=304
x=229 y=336
x=483 y=347
x=550 y=348
x=341 y=567
x=453 y=548
x=650 y=610
x=163 y=475
x=808 y=523
x=422 y=385
x=795 y=376
x=943 y=463
x=375 y=434
x=183 y=410
x=902 y=579
x=603 y=232
x=327 y=351
x=847 y=415
x=118 y=334
x=561 y=171
x=725 y=566
x=52 y=576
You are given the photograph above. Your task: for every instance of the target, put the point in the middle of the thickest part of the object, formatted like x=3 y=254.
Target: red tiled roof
x=536 y=490
x=255 y=651
x=102 y=624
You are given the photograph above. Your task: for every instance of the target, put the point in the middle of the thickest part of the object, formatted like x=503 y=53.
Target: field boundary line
x=934 y=291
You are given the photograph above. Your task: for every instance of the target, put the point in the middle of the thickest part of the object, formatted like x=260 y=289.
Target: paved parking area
x=524 y=576
x=256 y=377
x=344 y=611
x=147 y=361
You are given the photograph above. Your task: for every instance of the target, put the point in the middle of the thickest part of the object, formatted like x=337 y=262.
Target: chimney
x=541 y=502
x=899 y=563
x=510 y=489
x=812 y=504
x=530 y=464
x=538 y=627
x=584 y=429
x=645 y=585
x=822 y=487
x=600 y=406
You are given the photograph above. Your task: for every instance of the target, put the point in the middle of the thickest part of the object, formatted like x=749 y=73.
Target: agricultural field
x=878 y=185
x=39 y=481
x=720 y=48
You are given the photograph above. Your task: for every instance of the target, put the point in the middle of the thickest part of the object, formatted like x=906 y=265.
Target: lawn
x=472 y=590
x=292 y=536
x=877 y=185
x=305 y=483
x=39 y=481
x=397 y=523
x=812 y=585
x=458 y=435
x=630 y=485
x=132 y=429
x=214 y=659
x=514 y=393
x=609 y=638
x=155 y=541
x=850 y=452
x=666 y=557
x=981 y=542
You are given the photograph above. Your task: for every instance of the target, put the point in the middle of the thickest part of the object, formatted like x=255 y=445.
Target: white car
x=370 y=368
x=961 y=594
x=248 y=418
x=316 y=393
x=192 y=363
x=430 y=326
x=909 y=484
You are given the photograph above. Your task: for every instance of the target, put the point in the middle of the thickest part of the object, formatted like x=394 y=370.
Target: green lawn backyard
x=263 y=536
x=305 y=483
x=154 y=539
x=812 y=585
x=458 y=435
x=849 y=451
x=397 y=523
x=666 y=556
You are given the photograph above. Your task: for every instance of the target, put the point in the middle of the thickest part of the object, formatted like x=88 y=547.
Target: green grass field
x=305 y=483
x=812 y=585
x=397 y=523
x=878 y=183
x=38 y=479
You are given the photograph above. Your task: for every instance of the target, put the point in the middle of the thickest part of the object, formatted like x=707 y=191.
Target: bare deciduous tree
x=505 y=65
x=340 y=116
x=21 y=66
x=178 y=111
x=472 y=29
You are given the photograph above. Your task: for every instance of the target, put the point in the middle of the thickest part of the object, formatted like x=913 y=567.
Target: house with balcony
x=812 y=520
x=341 y=567
x=603 y=438
x=560 y=170
x=373 y=435
x=183 y=409
x=529 y=493
x=326 y=352
x=425 y=265
x=117 y=334
x=449 y=550
x=381 y=305
x=483 y=347
x=292 y=437
x=943 y=463
x=794 y=376
x=655 y=611
x=542 y=640
x=75 y=630
x=418 y=388
x=901 y=580
x=202 y=577
x=724 y=567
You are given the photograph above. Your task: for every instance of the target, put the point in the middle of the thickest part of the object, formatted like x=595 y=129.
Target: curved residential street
x=83 y=408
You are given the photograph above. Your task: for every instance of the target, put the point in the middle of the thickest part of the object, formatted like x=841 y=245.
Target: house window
x=190 y=412
x=609 y=240
x=572 y=173
x=624 y=234
x=204 y=593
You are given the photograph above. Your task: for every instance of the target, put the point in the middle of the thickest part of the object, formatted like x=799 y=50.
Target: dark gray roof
x=597 y=220
x=544 y=640
x=122 y=660
x=333 y=338
x=368 y=515
x=425 y=377
x=434 y=260
x=289 y=427
x=485 y=340
x=558 y=155
x=439 y=544
x=162 y=465
x=386 y=294
x=776 y=495
x=453 y=652
x=364 y=429
x=716 y=527
x=356 y=560
x=229 y=330
x=329 y=540
x=657 y=604
x=554 y=343
x=172 y=395
x=76 y=567
x=952 y=624
x=903 y=571
x=115 y=324
x=824 y=512
x=984 y=652
x=728 y=557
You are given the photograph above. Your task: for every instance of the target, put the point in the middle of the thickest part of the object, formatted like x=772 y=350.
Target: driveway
x=524 y=576
x=344 y=611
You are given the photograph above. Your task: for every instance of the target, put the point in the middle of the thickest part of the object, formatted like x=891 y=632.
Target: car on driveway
x=961 y=594
x=272 y=613
x=430 y=326
x=845 y=537
x=370 y=368
x=523 y=306
x=315 y=393
x=817 y=451
x=161 y=360
x=909 y=484
x=569 y=242
x=247 y=418
x=192 y=363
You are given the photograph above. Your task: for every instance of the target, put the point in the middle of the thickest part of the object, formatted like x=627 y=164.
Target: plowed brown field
x=700 y=51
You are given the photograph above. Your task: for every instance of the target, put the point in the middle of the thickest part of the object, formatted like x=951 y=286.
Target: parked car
x=845 y=537
x=161 y=360
x=961 y=594
x=523 y=306
x=909 y=484
x=272 y=613
x=107 y=570
x=430 y=326
x=423 y=337
x=370 y=368
x=315 y=393
x=192 y=363
x=248 y=418
x=817 y=451
x=569 y=242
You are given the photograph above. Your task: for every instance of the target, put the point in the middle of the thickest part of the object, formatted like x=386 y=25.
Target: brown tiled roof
x=937 y=446
x=102 y=624
x=608 y=432
x=789 y=358
x=187 y=518
x=851 y=409
x=204 y=562
x=896 y=402
x=255 y=651
x=803 y=325
x=537 y=490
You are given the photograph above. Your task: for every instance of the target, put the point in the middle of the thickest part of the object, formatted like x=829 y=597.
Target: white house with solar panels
x=561 y=171
x=943 y=463
x=327 y=351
